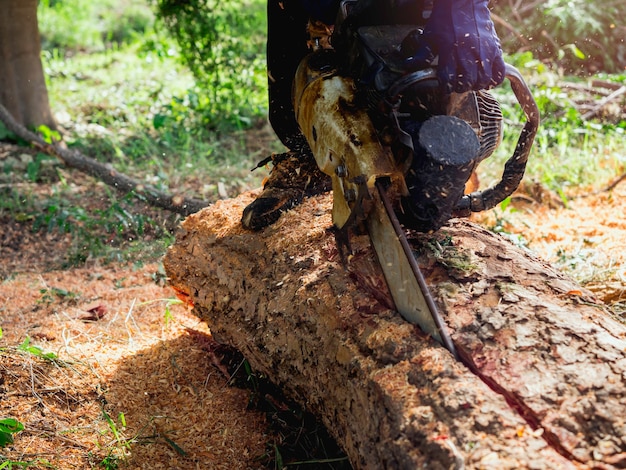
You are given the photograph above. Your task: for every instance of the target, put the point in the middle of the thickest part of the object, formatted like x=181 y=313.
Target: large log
x=540 y=385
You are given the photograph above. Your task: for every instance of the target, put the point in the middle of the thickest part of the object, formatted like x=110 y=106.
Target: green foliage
x=114 y=218
x=222 y=43
x=13 y=203
x=11 y=464
x=110 y=462
x=501 y=222
x=117 y=433
x=115 y=230
x=97 y=231
x=92 y=25
x=581 y=36
x=34 y=167
x=48 y=135
x=587 y=151
x=5 y=133
x=167 y=313
x=50 y=294
x=9 y=427
x=121 y=444
x=39 y=353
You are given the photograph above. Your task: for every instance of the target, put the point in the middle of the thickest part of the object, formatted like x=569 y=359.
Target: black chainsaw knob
x=446 y=150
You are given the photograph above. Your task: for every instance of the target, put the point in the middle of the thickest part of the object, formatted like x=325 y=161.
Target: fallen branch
x=105 y=172
x=590 y=90
x=615 y=183
x=505 y=24
x=521 y=11
x=605 y=84
x=610 y=187
x=603 y=102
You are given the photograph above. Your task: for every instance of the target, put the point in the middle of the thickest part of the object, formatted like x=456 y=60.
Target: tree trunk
x=540 y=385
x=22 y=84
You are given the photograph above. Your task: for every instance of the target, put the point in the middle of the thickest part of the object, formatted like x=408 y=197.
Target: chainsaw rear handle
x=516 y=165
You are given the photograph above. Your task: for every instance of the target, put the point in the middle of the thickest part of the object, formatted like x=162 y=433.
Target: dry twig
x=590 y=90
x=615 y=183
x=604 y=101
x=605 y=84
x=501 y=21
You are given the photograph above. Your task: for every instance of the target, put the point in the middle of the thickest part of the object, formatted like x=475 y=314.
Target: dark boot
x=293 y=177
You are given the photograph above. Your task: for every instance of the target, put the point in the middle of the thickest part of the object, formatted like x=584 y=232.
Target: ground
x=124 y=375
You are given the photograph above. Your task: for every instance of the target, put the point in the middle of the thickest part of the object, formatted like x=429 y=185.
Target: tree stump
x=541 y=382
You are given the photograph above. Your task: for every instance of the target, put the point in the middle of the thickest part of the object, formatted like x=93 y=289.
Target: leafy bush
x=223 y=45
x=569 y=152
x=8 y=427
x=581 y=36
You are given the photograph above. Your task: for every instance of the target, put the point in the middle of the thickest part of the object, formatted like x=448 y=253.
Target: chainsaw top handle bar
x=515 y=166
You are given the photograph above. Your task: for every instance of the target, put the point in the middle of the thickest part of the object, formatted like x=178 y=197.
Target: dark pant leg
x=286 y=46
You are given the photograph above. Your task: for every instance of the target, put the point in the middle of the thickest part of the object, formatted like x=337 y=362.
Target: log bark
x=540 y=385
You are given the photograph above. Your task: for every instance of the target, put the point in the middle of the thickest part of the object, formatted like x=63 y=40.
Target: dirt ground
x=136 y=381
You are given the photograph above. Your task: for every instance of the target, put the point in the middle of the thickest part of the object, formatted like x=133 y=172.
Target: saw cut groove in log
x=537 y=338
x=541 y=386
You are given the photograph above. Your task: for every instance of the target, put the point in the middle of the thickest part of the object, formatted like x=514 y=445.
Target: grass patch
x=128 y=99
x=144 y=114
x=94 y=25
x=570 y=153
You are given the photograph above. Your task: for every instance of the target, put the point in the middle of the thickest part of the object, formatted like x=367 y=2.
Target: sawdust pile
x=131 y=377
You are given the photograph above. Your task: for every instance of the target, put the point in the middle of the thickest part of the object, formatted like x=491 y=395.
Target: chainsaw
x=399 y=150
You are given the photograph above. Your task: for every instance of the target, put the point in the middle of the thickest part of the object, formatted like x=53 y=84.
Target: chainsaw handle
x=516 y=165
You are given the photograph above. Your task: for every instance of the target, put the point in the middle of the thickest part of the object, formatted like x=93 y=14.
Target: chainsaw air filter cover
x=446 y=150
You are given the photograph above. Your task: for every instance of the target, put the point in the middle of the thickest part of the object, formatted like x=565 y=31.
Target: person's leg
x=295 y=173
x=286 y=46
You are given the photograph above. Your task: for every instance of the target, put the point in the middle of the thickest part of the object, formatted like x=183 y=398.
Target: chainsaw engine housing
x=370 y=118
x=460 y=130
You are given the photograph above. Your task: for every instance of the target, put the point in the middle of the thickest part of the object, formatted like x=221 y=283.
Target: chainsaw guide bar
x=406 y=282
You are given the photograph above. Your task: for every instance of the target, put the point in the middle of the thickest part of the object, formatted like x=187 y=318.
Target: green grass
x=137 y=105
x=94 y=25
x=569 y=154
x=127 y=98
x=139 y=113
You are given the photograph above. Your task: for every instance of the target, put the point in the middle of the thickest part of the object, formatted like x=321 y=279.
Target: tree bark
x=22 y=84
x=541 y=380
